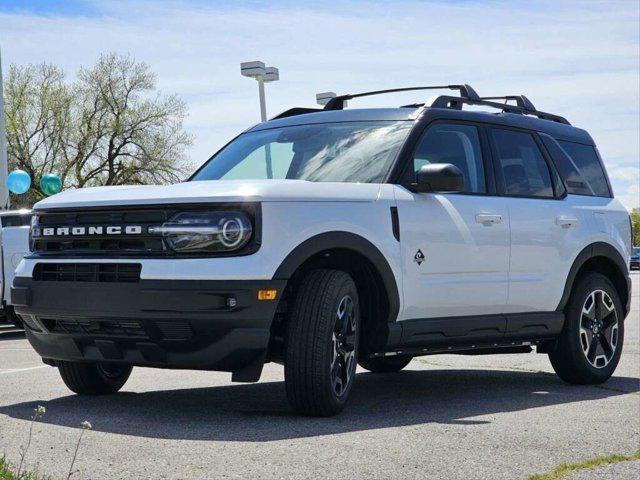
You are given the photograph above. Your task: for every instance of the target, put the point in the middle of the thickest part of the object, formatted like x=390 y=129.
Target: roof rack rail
x=292 y=112
x=523 y=106
x=337 y=103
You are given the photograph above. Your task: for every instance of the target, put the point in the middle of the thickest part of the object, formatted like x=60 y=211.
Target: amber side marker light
x=267 y=294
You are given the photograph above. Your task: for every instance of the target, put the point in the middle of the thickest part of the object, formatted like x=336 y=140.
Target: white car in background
x=14 y=243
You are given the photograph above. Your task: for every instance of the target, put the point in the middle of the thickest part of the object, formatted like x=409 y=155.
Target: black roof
x=521 y=114
x=557 y=130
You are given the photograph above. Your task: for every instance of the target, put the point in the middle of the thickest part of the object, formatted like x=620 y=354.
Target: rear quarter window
x=586 y=161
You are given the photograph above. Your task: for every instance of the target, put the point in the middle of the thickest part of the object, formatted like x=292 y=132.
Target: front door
x=455 y=246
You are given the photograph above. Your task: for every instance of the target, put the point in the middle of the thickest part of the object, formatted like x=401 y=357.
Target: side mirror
x=438 y=177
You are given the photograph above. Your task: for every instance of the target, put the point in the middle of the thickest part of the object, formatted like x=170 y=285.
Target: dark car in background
x=635 y=259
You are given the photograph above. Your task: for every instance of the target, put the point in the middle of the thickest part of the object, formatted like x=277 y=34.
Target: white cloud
x=630 y=196
x=578 y=59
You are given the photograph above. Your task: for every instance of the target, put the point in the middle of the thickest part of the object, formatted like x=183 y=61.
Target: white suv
x=326 y=239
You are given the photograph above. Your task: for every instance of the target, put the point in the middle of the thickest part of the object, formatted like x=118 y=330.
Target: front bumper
x=194 y=324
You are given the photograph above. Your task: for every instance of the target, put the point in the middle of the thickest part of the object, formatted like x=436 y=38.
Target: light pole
x=262 y=74
x=4 y=192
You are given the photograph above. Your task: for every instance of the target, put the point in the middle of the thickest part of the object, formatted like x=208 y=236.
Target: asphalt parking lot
x=454 y=417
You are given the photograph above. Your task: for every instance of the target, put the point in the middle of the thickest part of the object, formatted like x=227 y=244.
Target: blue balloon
x=18 y=182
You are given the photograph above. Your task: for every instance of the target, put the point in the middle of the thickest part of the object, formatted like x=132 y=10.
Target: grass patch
x=8 y=473
x=565 y=469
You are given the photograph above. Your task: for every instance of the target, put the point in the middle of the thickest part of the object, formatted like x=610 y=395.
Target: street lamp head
x=324 y=97
x=252 y=69
x=271 y=74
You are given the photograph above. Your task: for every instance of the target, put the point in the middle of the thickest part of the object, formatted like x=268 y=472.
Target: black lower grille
x=175 y=330
x=88 y=272
x=120 y=328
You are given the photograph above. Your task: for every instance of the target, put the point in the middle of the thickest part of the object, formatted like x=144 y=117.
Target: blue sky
x=576 y=58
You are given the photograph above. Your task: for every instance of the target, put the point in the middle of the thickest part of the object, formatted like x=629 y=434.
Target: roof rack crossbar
x=521 y=101
x=446 y=101
x=337 y=103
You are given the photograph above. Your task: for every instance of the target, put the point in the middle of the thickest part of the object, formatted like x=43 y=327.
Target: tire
x=93 y=378
x=321 y=343
x=581 y=355
x=385 y=364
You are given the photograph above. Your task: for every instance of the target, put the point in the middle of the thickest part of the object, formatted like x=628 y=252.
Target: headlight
x=202 y=232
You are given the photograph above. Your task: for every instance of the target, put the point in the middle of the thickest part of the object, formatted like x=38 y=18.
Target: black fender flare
x=347 y=241
x=597 y=249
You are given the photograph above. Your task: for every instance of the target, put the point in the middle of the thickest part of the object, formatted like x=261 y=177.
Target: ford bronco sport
x=322 y=239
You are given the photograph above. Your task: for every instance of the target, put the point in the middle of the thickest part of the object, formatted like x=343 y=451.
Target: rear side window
x=586 y=161
x=524 y=169
x=570 y=174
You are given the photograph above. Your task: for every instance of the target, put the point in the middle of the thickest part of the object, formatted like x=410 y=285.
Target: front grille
x=122 y=232
x=87 y=272
x=108 y=328
x=111 y=245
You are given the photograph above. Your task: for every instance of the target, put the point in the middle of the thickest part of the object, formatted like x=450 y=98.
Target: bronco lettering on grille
x=92 y=230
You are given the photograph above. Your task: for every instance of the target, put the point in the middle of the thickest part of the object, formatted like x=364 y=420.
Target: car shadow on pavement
x=259 y=412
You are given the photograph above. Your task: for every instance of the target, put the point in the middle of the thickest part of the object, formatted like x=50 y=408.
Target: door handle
x=488 y=219
x=566 y=222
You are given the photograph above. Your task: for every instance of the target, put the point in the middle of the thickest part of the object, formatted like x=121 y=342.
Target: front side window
x=458 y=145
x=524 y=170
x=357 y=152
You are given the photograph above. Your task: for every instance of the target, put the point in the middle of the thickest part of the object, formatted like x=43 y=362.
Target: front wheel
x=590 y=345
x=321 y=343
x=93 y=378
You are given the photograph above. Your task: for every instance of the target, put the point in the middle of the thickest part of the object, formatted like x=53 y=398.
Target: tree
x=108 y=127
x=635 y=221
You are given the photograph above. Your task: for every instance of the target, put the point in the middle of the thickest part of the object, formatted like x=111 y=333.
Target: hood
x=213 y=191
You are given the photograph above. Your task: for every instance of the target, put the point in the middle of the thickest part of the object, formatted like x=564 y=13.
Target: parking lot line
x=17 y=370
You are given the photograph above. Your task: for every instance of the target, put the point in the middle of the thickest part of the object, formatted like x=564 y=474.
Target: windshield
x=327 y=152
x=636 y=251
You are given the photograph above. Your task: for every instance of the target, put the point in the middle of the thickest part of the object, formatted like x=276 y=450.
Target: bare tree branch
x=109 y=127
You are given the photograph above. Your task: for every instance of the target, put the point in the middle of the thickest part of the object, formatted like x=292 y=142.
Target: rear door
x=455 y=246
x=544 y=228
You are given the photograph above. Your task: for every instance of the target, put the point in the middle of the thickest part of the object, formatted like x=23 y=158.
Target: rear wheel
x=385 y=364
x=590 y=344
x=93 y=378
x=321 y=344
